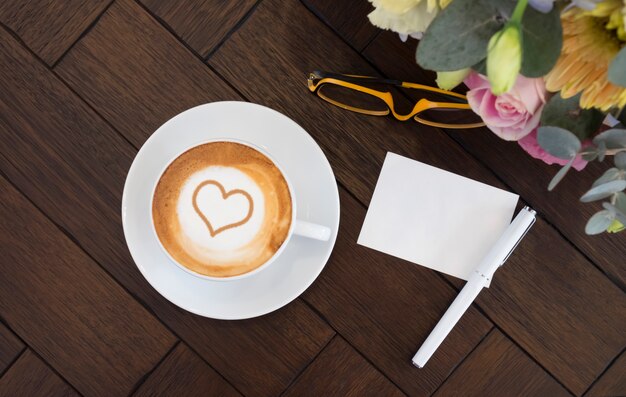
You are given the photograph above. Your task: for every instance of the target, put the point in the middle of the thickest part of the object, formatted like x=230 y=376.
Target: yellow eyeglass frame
x=318 y=79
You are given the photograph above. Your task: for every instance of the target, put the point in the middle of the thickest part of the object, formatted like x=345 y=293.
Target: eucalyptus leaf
x=542 y=39
x=458 y=37
x=599 y=222
x=561 y=174
x=603 y=191
x=615 y=138
x=617 y=68
x=620 y=160
x=558 y=142
x=612 y=174
x=566 y=113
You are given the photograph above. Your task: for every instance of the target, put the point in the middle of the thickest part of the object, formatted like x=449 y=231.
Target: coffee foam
x=219 y=211
x=222 y=209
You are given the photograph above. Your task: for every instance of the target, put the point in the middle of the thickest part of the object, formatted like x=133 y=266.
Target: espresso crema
x=222 y=209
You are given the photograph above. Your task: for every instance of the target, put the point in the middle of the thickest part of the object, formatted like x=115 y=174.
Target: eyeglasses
x=372 y=96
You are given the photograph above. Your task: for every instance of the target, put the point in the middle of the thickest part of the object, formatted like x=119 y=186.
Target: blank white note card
x=433 y=217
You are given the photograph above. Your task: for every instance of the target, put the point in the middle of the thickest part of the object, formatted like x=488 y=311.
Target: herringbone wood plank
x=202 y=24
x=344 y=373
x=30 y=376
x=10 y=348
x=497 y=366
x=50 y=27
x=183 y=373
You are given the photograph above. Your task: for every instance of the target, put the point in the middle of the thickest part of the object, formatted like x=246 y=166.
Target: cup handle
x=311 y=230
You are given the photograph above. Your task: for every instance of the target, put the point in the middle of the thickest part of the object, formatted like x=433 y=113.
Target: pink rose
x=512 y=115
x=530 y=145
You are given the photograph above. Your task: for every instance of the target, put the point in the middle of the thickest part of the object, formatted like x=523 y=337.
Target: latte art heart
x=215 y=208
x=222 y=209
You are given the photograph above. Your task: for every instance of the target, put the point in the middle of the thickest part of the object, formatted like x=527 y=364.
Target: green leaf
x=620 y=160
x=458 y=37
x=617 y=69
x=602 y=191
x=558 y=142
x=599 y=222
x=542 y=39
x=614 y=138
x=567 y=114
x=617 y=213
x=612 y=174
x=561 y=174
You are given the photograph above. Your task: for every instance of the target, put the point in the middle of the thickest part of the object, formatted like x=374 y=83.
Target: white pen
x=479 y=278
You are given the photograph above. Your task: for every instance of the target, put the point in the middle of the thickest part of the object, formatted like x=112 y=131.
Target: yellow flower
x=615 y=12
x=504 y=58
x=591 y=39
x=405 y=16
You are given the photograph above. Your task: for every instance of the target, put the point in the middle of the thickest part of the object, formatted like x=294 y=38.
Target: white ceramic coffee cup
x=297 y=227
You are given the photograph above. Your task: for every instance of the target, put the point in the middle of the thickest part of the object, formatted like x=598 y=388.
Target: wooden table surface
x=84 y=83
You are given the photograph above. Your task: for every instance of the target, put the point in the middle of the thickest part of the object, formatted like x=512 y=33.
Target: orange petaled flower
x=590 y=42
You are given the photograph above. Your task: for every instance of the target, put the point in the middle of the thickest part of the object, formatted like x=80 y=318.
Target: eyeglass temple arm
x=352 y=78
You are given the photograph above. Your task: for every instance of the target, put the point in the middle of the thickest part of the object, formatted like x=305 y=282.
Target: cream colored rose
x=406 y=17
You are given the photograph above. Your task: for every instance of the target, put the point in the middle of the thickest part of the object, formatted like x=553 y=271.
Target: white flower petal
x=414 y=20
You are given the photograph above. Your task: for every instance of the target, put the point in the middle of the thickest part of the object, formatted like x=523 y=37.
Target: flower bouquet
x=550 y=75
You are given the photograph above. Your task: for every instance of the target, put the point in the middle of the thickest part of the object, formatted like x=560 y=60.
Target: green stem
x=518 y=12
x=610 y=152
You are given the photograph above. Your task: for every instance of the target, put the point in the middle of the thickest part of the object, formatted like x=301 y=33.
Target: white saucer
x=316 y=195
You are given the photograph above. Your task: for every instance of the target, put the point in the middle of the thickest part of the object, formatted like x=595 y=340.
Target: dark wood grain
x=347 y=18
x=497 y=366
x=340 y=371
x=49 y=28
x=262 y=355
x=50 y=137
x=202 y=24
x=69 y=310
x=271 y=69
x=10 y=348
x=183 y=373
x=386 y=307
x=136 y=74
x=613 y=381
x=527 y=176
x=30 y=376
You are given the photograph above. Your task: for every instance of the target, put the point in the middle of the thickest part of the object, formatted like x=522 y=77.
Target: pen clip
x=519 y=239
